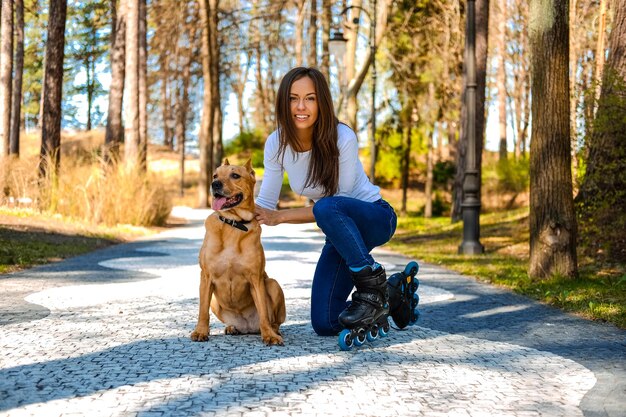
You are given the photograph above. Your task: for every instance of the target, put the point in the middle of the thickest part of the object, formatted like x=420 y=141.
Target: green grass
x=30 y=237
x=599 y=293
x=23 y=249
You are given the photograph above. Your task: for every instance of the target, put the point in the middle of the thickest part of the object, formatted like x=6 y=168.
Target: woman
x=320 y=156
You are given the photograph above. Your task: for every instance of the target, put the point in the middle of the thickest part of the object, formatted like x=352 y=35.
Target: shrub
x=89 y=191
x=513 y=175
x=247 y=145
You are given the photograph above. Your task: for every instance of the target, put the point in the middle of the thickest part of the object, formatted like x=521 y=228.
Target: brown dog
x=233 y=279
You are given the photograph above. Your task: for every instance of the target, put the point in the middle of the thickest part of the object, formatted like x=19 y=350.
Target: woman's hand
x=275 y=217
x=266 y=216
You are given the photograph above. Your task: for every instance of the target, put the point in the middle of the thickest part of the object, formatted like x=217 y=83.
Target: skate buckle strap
x=236 y=224
x=373 y=299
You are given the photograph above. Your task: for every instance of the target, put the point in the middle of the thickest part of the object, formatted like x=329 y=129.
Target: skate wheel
x=414 y=285
x=360 y=339
x=345 y=340
x=415 y=300
x=383 y=331
x=411 y=268
x=414 y=317
x=372 y=335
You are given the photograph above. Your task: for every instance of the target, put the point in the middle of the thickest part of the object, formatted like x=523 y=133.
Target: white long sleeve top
x=352 y=179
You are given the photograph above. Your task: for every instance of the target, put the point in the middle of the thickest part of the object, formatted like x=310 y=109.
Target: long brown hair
x=324 y=164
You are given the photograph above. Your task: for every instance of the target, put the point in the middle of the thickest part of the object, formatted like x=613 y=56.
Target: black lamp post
x=471 y=181
x=338 y=38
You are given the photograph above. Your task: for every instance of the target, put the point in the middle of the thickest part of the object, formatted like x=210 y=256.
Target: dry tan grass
x=85 y=189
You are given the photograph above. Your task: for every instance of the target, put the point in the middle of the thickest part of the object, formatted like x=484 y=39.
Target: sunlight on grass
x=598 y=293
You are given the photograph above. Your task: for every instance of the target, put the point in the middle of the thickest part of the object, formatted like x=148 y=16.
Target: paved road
x=107 y=334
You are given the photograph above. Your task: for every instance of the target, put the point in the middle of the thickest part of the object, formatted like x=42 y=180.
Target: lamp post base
x=471 y=248
x=471 y=225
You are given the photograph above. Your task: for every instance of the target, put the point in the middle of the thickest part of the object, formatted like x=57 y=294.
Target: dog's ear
x=226 y=162
x=248 y=167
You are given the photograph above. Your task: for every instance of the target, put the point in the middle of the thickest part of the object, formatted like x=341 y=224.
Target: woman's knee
x=325 y=211
x=322 y=326
x=323 y=206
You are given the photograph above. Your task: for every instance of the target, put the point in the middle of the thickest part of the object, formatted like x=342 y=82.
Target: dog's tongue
x=218 y=203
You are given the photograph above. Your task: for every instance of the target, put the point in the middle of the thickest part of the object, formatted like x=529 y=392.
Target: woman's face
x=303 y=103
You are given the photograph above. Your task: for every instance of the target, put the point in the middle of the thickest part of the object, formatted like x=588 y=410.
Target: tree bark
x=573 y=94
x=6 y=76
x=142 y=85
x=131 y=99
x=553 y=226
x=218 y=150
x=53 y=86
x=312 y=60
x=600 y=47
x=501 y=80
x=428 y=208
x=17 y=82
x=166 y=99
x=114 y=134
x=205 y=137
x=482 y=33
x=299 y=41
x=406 y=154
x=326 y=24
x=428 y=191
x=42 y=95
x=352 y=33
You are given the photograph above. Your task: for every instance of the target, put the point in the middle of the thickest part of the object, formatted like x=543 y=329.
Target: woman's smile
x=304 y=106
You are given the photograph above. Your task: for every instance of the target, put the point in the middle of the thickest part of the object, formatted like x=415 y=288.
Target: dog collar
x=235 y=223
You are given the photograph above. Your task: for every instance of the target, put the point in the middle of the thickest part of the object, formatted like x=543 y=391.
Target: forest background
x=113 y=111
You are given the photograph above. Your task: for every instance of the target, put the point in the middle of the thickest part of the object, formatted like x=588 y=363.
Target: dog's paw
x=273 y=339
x=197 y=336
x=231 y=330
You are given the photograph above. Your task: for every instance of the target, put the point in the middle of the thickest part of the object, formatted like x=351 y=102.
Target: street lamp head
x=337 y=44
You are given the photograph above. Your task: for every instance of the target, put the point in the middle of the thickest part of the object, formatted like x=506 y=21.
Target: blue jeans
x=352 y=228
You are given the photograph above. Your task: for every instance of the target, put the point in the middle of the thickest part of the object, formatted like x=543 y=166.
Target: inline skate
x=403 y=297
x=367 y=318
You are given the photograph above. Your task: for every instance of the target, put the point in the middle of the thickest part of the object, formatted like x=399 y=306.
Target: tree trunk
x=482 y=27
x=573 y=94
x=326 y=25
x=552 y=219
x=299 y=35
x=218 y=150
x=114 y=134
x=142 y=85
x=262 y=105
x=312 y=61
x=90 y=74
x=17 y=82
x=501 y=80
x=602 y=198
x=428 y=208
x=131 y=99
x=600 y=47
x=408 y=116
x=6 y=76
x=352 y=31
x=205 y=137
x=166 y=99
x=53 y=86
x=42 y=95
